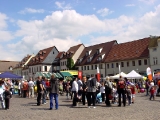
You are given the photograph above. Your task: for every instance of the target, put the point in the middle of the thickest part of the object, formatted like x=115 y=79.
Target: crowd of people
x=85 y=90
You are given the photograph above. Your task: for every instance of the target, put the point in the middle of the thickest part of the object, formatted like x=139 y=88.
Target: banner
x=80 y=75
x=149 y=73
x=98 y=74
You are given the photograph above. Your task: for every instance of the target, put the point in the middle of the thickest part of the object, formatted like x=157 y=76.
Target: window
x=127 y=64
x=145 y=61
x=29 y=70
x=116 y=64
x=53 y=52
x=88 y=60
x=87 y=67
x=95 y=66
x=87 y=53
x=37 y=69
x=155 y=60
x=97 y=51
x=133 y=63
x=101 y=66
x=82 y=68
x=107 y=65
x=122 y=64
x=112 y=65
x=45 y=68
x=139 y=62
x=92 y=67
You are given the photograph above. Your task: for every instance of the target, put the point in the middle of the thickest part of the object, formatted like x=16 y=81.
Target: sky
x=29 y=26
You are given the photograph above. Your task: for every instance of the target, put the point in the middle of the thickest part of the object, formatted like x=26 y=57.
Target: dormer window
x=87 y=53
x=100 y=50
x=88 y=60
x=97 y=51
x=91 y=58
x=103 y=56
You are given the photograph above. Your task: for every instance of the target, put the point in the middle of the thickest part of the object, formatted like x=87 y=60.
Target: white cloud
x=94 y=8
x=62 y=5
x=148 y=1
x=64 y=29
x=104 y=12
x=5 y=35
x=130 y=5
x=31 y=10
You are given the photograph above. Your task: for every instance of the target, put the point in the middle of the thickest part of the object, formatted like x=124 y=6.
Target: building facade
x=42 y=62
x=73 y=53
x=94 y=56
x=129 y=56
x=154 y=52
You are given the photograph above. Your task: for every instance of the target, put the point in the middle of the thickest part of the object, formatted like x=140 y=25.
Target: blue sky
x=26 y=27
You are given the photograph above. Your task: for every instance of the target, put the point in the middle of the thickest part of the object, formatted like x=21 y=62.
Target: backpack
x=121 y=84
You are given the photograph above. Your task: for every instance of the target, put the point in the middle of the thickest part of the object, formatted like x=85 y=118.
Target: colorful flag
x=98 y=74
x=149 y=73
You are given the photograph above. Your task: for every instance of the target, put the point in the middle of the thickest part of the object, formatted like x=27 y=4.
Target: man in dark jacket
x=54 y=91
x=91 y=91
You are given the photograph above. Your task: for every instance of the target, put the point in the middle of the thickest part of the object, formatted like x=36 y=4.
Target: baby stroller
x=99 y=98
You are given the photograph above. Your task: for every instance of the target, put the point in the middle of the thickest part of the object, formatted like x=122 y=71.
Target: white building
x=42 y=62
x=154 y=52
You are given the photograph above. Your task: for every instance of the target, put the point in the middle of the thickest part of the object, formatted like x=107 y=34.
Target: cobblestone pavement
x=26 y=109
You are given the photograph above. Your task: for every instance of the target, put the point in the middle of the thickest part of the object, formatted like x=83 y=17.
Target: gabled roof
x=40 y=57
x=93 y=53
x=5 y=65
x=129 y=50
x=72 y=50
x=23 y=61
x=59 y=54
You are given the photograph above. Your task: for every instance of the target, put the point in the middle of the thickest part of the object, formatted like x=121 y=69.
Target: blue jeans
x=55 y=95
x=44 y=97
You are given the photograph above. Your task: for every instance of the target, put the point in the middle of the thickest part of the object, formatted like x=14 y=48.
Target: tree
x=70 y=64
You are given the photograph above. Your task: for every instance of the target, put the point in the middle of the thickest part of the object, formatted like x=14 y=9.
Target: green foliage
x=70 y=64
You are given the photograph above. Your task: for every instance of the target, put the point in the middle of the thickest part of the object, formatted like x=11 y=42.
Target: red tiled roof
x=71 y=51
x=129 y=50
x=59 y=54
x=105 y=50
x=40 y=57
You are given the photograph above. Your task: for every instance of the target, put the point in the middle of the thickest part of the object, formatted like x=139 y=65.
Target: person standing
x=25 y=88
x=31 y=88
x=75 y=91
x=91 y=91
x=121 y=85
x=147 y=87
x=39 y=90
x=54 y=91
x=108 y=90
x=2 y=89
x=84 y=93
x=45 y=92
x=7 y=95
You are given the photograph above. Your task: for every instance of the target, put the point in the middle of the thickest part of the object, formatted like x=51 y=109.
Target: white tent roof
x=134 y=75
x=118 y=75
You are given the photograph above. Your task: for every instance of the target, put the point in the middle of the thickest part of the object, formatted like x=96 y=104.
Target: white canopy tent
x=118 y=75
x=134 y=75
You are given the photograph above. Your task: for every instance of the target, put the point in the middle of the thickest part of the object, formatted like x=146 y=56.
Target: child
x=7 y=96
x=129 y=93
x=133 y=91
x=102 y=90
x=114 y=94
x=152 y=91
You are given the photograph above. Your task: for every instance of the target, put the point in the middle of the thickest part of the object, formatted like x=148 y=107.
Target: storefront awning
x=65 y=74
